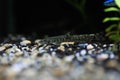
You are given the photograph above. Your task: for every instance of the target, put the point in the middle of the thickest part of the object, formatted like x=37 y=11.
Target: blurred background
x=51 y=17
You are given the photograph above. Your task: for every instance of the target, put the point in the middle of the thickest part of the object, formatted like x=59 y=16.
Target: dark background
x=49 y=17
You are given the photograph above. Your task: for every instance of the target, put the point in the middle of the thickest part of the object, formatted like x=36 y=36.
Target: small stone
x=83 y=45
x=4 y=55
x=104 y=45
x=34 y=53
x=90 y=46
x=91 y=51
x=37 y=41
x=25 y=48
x=77 y=54
x=23 y=38
x=112 y=56
x=83 y=52
x=11 y=54
x=53 y=53
x=51 y=49
x=2 y=48
x=62 y=48
x=19 y=53
x=41 y=50
x=7 y=45
x=10 y=50
x=70 y=49
x=25 y=42
x=47 y=47
x=81 y=59
x=102 y=57
x=33 y=48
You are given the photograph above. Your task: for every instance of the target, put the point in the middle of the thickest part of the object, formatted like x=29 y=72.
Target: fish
x=83 y=38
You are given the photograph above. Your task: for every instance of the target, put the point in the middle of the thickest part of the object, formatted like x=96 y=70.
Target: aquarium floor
x=24 y=58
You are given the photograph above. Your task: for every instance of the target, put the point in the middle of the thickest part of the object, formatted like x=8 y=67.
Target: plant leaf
x=115 y=37
x=111 y=27
x=111 y=9
x=111 y=33
x=117 y=2
x=111 y=19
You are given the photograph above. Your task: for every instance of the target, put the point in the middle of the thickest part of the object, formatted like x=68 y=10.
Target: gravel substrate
x=23 y=58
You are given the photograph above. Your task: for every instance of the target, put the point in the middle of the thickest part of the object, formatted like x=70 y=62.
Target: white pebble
x=90 y=46
x=91 y=51
x=83 y=45
x=37 y=41
x=4 y=54
x=104 y=45
x=11 y=54
x=102 y=56
x=53 y=53
x=112 y=56
x=10 y=50
x=25 y=42
x=51 y=49
x=2 y=48
x=19 y=53
x=77 y=54
x=80 y=58
x=41 y=50
x=83 y=52
x=7 y=45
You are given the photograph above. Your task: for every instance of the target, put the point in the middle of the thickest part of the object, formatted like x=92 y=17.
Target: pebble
x=41 y=50
x=7 y=45
x=83 y=52
x=83 y=45
x=10 y=50
x=19 y=53
x=37 y=41
x=112 y=56
x=90 y=46
x=102 y=57
x=2 y=48
x=62 y=48
x=25 y=42
x=91 y=51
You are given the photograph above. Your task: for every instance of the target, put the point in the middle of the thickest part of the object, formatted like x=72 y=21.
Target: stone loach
x=84 y=38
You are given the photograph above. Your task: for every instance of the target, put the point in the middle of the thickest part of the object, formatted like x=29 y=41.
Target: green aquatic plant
x=113 y=31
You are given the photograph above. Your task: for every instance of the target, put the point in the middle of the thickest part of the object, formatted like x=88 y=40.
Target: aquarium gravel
x=25 y=58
